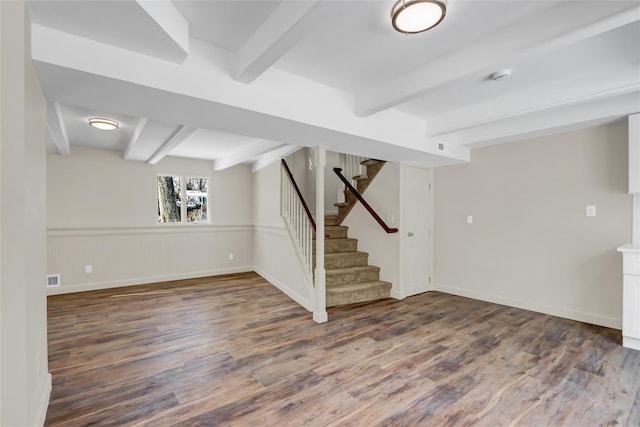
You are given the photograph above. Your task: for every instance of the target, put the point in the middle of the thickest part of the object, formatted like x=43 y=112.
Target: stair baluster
x=298 y=220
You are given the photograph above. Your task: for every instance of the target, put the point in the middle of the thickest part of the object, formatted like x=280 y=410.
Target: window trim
x=183 y=197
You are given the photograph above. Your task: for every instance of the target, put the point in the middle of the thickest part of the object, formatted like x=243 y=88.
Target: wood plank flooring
x=233 y=350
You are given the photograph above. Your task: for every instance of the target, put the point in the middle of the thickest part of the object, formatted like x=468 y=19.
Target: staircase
x=362 y=182
x=349 y=277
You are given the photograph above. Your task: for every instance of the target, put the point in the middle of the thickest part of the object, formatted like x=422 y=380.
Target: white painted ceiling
x=248 y=81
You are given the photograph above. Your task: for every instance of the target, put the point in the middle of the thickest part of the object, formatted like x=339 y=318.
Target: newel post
x=320 y=308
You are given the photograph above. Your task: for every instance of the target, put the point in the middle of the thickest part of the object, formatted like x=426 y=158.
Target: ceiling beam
x=207 y=97
x=274 y=155
x=543 y=122
x=57 y=129
x=174 y=140
x=289 y=23
x=244 y=153
x=171 y=22
x=134 y=138
x=526 y=102
x=488 y=53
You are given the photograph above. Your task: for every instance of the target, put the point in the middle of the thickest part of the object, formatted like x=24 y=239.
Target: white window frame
x=183 y=197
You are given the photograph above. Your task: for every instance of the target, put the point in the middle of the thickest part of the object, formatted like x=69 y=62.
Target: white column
x=320 y=308
x=634 y=173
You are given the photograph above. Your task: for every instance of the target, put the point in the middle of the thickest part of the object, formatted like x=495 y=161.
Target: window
x=173 y=190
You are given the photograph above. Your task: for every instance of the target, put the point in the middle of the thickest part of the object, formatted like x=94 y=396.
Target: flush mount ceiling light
x=416 y=16
x=104 y=124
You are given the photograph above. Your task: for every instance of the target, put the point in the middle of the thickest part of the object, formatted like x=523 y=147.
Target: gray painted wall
x=531 y=244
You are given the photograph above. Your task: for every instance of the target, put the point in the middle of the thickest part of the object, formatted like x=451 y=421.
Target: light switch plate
x=591 y=210
x=469 y=219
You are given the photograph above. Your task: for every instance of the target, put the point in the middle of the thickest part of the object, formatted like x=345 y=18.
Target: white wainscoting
x=138 y=255
x=275 y=260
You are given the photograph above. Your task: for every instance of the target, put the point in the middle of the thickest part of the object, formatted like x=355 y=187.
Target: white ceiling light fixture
x=103 y=124
x=416 y=16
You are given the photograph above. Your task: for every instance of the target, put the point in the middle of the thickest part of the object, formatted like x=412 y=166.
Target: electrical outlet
x=230 y=257
x=88 y=269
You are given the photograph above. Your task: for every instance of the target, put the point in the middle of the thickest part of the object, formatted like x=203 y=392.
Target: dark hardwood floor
x=233 y=350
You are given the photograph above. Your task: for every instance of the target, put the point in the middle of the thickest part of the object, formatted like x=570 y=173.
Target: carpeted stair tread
x=334 y=232
x=350 y=293
x=357 y=274
x=339 y=245
x=331 y=220
x=344 y=259
x=368 y=162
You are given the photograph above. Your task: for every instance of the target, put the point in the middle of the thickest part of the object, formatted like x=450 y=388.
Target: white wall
x=102 y=212
x=383 y=194
x=25 y=383
x=306 y=178
x=531 y=244
x=274 y=254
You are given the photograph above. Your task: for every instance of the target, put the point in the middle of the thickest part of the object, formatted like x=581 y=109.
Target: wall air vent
x=53 y=280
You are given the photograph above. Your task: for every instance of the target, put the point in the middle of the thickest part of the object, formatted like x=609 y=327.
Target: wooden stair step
x=358 y=274
x=350 y=293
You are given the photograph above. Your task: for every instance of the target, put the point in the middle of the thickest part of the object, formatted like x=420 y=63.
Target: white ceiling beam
x=206 y=97
x=488 y=53
x=543 y=122
x=526 y=102
x=274 y=155
x=57 y=129
x=289 y=23
x=174 y=140
x=176 y=27
x=134 y=138
x=244 y=153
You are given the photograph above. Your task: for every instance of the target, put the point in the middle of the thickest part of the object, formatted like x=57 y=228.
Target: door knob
x=410 y=234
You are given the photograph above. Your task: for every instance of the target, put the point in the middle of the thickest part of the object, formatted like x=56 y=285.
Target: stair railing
x=298 y=220
x=361 y=199
x=352 y=167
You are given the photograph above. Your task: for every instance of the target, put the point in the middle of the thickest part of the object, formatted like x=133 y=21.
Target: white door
x=416 y=225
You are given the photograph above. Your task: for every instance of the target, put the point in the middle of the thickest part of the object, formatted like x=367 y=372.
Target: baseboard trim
x=395 y=293
x=146 y=280
x=304 y=302
x=580 y=316
x=630 y=342
x=43 y=402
